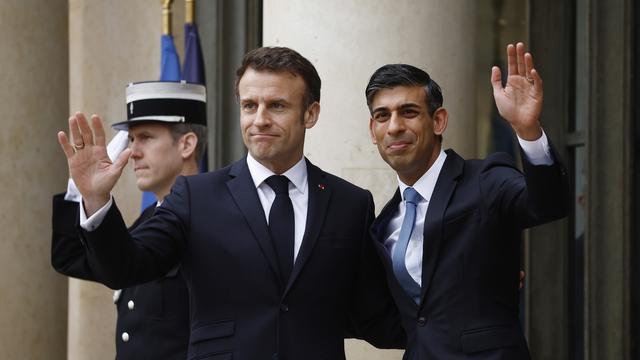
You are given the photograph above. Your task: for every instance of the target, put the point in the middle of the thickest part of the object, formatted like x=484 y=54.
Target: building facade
x=61 y=56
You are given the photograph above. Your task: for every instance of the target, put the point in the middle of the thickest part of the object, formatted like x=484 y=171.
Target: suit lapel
x=381 y=222
x=244 y=193
x=433 y=223
x=318 y=203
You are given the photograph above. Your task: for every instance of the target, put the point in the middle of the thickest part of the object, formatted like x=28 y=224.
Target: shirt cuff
x=94 y=220
x=72 y=194
x=538 y=152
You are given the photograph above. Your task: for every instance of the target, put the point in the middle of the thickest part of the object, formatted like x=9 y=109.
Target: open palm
x=89 y=165
x=519 y=102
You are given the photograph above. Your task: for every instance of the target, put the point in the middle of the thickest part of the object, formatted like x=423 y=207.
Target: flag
x=193 y=68
x=169 y=71
x=169 y=60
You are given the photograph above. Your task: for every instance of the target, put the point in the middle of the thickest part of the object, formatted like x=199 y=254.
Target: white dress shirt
x=537 y=152
x=298 y=193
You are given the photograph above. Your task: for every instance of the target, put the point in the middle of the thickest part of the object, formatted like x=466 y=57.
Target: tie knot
x=411 y=195
x=279 y=184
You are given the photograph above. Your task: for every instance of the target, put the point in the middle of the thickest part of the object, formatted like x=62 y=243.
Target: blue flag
x=193 y=69
x=169 y=60
x=169 y=71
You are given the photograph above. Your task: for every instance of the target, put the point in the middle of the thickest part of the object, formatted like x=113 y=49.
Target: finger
x=528 y=64
x=74 y=130
x=496 y=79
x=98 y=130
x=121 y=161
x=85 y=131
x=520 y=58
x=64 y=143
x=537 y=81
x=512 y=65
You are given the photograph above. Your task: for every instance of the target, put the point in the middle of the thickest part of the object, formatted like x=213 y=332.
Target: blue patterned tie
x=411 y=198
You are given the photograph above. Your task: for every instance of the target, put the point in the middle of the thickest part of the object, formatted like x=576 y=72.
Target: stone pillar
x=112 y=43
x=33 y=60
x=347 y=40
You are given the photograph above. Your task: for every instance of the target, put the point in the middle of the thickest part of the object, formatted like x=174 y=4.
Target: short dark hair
x=179 y=129
x=393 y=75
x=282 y=59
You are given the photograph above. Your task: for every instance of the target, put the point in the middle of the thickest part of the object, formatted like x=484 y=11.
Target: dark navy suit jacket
x=157 y=322
x=471 y=256
x=241 y=308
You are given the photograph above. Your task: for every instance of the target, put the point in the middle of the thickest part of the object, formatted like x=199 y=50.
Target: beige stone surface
x=112 y=43
x=33 y=100
x=349 y=39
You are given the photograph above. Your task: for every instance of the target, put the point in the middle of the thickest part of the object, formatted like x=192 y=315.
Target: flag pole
x=166 y=17
x=189 y=11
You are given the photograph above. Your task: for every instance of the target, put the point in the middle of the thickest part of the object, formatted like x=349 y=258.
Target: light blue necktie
x=412 y=288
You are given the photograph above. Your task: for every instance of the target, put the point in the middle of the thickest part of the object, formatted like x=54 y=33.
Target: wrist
x=529 y=134
x=95 y=203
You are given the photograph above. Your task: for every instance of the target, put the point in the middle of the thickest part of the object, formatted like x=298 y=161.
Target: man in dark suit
x=167 y=132
x=276 y=253
x=450 y=237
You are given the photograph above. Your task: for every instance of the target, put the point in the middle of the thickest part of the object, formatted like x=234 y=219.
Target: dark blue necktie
x=411 y=198
x=281 y=223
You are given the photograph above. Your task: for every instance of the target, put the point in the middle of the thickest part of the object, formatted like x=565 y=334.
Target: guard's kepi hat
x=165 y=101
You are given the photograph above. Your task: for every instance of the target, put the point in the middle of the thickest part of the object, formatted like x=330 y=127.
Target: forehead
x=398 y=96
x=270 y=84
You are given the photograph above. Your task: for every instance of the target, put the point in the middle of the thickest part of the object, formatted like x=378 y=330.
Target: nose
x=136 y=151
x=261 y=117
x=396 y=124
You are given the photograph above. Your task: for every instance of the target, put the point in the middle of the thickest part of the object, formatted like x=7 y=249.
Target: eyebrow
x=401 y=107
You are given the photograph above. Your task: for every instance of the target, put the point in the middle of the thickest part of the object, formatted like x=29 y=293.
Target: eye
x=381 y=116
x=277 y=106
x=409 y=113
x=248 y=106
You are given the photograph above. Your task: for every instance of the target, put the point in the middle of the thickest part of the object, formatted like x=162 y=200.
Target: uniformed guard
x=166 y=125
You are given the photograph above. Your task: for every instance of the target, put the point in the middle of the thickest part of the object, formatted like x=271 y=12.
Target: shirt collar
x=427 y=182
x=297 y=174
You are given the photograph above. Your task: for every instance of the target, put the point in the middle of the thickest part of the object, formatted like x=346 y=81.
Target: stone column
x=33 y=59
x=349 y=39
x=112 y=43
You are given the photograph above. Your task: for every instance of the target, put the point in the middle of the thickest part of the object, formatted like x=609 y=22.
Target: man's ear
x=373 y=134
x=189 y=141
x=440 y=121
x=311 y=115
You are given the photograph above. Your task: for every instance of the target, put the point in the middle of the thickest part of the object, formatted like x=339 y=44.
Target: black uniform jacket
x=241 y=308
x=153 y=318
x=471 y=256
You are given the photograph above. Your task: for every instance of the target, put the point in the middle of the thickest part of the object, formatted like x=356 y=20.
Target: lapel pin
x=321 y=186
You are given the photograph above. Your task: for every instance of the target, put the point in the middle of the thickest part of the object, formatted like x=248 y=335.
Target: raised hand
x=520 y=100
x=89 y=165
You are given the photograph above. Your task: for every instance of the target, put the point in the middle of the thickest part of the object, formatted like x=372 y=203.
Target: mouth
x=398 y=145
x=261 y=136
x=138 y=168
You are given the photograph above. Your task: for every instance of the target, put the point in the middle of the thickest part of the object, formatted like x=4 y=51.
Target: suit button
x=130 y=304
x=284 y=308
x=125 y=336
x=422 y=321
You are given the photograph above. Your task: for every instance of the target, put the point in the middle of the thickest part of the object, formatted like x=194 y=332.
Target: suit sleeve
x=68 y=252
x=539 y=195
x=374 y=316
x=123 y=258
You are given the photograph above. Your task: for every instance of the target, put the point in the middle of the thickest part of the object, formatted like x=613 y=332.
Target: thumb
x=121 y=161
x=496 y=79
